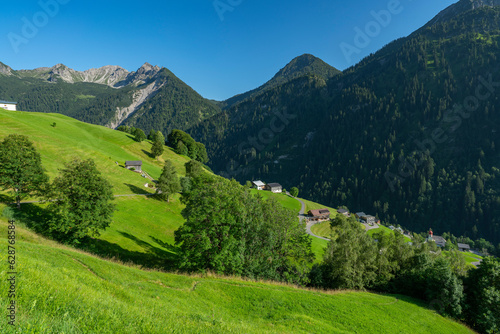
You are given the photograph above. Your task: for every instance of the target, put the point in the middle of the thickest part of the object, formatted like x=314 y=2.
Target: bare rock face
x=113 y=76
x=146 y=73
x=5 y=70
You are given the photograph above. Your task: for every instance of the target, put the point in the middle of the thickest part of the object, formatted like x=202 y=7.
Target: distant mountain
x=113 y=76
x=108 y=96
x=301 y=66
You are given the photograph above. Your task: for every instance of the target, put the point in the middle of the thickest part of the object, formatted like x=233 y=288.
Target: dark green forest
x=409 y=134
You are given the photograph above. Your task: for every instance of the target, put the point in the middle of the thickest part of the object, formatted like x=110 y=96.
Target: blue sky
x=219 y=52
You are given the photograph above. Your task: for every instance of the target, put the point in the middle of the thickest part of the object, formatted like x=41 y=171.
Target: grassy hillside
x=143 y=227
x=61 y=290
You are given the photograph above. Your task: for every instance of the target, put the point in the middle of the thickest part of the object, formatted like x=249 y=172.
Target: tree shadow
x=165 y=245
x=148 y=154
x=113 y=251
x=137 y=190
x=153 y=257
x=32 y=216
x=154 y=251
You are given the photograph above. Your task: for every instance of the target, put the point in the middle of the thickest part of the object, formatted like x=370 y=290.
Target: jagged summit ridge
x=110 y=75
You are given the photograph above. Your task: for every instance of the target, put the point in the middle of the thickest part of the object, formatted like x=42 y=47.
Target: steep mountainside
x=303 y=65
x=410 y=133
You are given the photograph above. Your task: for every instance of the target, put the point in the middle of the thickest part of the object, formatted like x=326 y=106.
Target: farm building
x=343 y=212
x=463 y=247
x=136 y=165
x=367 y=218
x=8 y=105
x=321 y=214
x=274 y=187
x=259 y=185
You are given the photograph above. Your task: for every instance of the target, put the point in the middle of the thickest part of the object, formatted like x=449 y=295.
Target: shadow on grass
x=36 y=218
x=165 y=245
x=137 y=190
x=31 y=215
x=148 y=154
x=153 y=257
x=6 y=199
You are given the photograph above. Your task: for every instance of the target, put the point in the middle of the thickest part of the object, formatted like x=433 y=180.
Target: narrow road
x=302 y=216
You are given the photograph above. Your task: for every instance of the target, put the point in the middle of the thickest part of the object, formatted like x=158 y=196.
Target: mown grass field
x=285 y=200
x=60 y=290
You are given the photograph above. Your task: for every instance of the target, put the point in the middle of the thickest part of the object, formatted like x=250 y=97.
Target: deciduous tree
x=21 y=168
x=81 y=203
x=158 y=148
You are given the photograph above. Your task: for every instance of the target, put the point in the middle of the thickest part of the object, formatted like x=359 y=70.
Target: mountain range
x=401 y=135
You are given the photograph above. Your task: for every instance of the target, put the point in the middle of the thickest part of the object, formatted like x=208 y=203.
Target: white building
x=259 y=185
x=8 y=105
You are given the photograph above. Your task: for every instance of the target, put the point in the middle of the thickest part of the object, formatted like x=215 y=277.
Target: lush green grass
x=316 y=206
x=469 y=257
x=71 y=139
x=322 y=229
x=285 y=200
x=61 y=290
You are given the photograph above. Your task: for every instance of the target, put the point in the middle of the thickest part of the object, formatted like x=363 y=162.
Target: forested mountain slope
x=410 y=133
x=151 y=98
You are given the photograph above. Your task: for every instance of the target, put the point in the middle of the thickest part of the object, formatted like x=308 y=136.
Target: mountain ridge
x=305 y=64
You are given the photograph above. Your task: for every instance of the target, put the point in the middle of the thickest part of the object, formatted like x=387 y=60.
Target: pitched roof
x=133 y=163
x=274 y=185
x=438 y=239
x=7 y=102
x=259 y=183
x=360 y=214
x=463 y=246
x=342 y=211
x=320 y=212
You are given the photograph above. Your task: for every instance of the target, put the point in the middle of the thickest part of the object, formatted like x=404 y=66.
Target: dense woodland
x=409 y=134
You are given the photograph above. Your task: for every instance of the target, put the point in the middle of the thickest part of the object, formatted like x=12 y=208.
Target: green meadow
x=62 y=290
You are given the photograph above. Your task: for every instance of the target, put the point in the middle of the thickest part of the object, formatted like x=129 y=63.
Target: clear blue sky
x=218 y=58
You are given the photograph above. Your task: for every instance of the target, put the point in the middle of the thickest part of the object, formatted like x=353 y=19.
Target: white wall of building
x=11 y=107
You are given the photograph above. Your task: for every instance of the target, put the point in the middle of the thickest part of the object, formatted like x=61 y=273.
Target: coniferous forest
x=409 y=134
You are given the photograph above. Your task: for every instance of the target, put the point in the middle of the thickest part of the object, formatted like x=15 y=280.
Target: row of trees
x=184 y=144
x=181 y=142
x=79 y=198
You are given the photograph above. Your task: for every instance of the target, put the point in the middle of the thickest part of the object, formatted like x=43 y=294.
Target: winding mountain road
x=302 y=216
